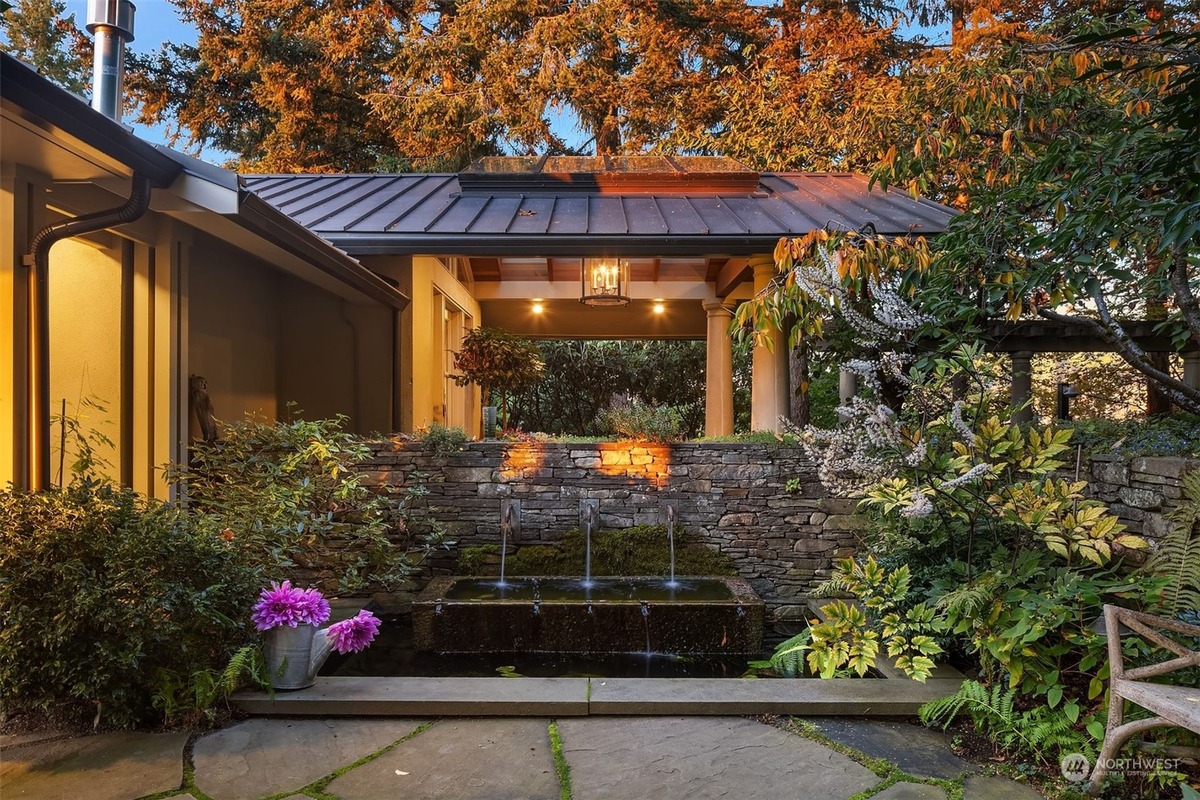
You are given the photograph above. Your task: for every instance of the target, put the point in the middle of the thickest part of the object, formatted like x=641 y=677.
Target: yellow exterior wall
x=262 y=338
x=85 y=343
x=426 y=396
x=233 y=330
x=132 y=318
x=336 y=358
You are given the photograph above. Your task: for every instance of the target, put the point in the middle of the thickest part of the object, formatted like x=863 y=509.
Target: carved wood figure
x=201 y=405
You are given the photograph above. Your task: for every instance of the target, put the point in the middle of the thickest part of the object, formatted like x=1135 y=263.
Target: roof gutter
x=263 y=219
x=39 y=259
x=553 y=244
x=55 y=108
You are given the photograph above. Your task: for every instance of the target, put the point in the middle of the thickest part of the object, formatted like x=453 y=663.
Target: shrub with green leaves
x=500 y=363
x=294 y=505
x=442 y=440
x=643 y=422
x=107 y=597
x=976 y=550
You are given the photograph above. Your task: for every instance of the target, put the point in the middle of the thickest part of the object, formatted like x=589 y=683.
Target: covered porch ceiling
x=539 y=296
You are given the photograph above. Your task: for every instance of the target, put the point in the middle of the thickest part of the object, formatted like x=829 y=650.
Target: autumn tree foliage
x=40 y=33
x=1071 y=148
x=280 y=83
x=1064 y=130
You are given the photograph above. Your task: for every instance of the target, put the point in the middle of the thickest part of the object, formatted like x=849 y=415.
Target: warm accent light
x=537 y=306
x=659 y=306
x=604 y=282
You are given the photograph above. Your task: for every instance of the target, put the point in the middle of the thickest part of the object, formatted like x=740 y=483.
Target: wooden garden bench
x=1177 y=706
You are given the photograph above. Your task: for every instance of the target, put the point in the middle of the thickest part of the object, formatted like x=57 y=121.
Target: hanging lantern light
x=604 y=282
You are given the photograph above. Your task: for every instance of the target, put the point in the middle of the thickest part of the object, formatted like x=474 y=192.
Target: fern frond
x=1177 y=556
x=966 y=601
x=971 y=695
x=241 y=665
x=788 y=658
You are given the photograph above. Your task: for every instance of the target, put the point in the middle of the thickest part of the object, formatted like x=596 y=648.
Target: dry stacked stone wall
x=732 y=497
x=1141 y=491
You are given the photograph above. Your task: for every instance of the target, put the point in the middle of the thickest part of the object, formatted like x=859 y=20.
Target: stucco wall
x=233 y=329
x=732 y=497
x=262 y=339
x=426 y=394
x=335 y=357
x=85 y=339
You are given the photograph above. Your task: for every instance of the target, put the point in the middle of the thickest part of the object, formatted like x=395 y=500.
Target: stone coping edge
x=564 y=697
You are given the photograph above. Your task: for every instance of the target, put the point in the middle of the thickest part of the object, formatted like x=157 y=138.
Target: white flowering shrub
x=978 y=549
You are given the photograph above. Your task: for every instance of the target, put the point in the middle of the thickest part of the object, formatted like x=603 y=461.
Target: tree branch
x=1189 y=306
x=1111 y=331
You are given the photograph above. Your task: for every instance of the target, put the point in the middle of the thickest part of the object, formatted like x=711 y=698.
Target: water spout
x=506 y=524
x=589 y=525
x=671 y=541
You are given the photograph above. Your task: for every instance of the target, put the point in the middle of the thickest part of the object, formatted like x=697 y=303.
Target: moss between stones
x=640 y=550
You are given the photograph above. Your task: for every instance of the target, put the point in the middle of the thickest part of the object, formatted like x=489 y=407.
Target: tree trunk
x=800 y=410
x=958 y=19
x=1157 y=402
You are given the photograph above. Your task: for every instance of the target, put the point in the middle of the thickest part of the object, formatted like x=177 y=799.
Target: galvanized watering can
x=295 y=655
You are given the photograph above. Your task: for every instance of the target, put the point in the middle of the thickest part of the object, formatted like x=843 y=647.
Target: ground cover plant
x=634 y=551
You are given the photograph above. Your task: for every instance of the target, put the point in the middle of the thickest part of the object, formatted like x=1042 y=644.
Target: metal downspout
x=39 y=259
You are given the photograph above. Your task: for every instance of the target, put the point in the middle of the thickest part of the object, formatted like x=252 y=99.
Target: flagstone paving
x=264 y=756
x=911 y=791
x=113 y=766
x=718 y=757
x=461 y=759
x=916 y=750
x=666 y=758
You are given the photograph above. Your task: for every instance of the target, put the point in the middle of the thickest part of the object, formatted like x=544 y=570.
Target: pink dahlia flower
x=354 y=634
x=284 y=604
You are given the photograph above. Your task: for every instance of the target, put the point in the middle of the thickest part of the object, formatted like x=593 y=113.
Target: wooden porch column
x=718 y=373
x=1022 y=385
x=769 y=373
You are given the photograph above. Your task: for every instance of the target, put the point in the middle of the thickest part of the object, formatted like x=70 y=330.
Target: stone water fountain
x=680 y=615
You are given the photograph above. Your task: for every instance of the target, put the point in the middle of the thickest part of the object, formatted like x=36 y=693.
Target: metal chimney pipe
x=111 y=22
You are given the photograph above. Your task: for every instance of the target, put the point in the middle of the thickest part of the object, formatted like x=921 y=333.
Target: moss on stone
x=640 y=550
x=474 y=560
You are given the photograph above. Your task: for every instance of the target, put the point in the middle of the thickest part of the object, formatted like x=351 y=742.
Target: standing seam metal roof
x=430 y=213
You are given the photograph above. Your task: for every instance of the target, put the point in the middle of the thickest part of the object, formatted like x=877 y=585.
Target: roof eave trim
x=563 y=245
x=263 y=219
x=62 y=111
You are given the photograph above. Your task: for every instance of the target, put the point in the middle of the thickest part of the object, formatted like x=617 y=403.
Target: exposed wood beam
x=485 y=269
x=712 y=267
x=639 y=290
x=654 y=268
x=1052 y=337
x=733 y=273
